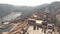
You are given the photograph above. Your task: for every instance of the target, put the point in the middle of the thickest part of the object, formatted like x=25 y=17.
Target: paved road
x=31 y=31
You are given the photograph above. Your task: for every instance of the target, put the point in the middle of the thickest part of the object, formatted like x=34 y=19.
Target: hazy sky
x=26 y=2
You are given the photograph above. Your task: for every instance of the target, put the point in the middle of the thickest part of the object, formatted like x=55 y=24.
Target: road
x=31 y=31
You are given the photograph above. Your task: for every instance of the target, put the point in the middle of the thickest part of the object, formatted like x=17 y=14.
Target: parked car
x=50 y=28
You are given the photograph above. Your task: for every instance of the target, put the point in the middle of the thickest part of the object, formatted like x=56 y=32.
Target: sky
x=26 y=2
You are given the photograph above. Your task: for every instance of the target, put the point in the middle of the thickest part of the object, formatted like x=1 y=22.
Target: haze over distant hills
x=26 y=10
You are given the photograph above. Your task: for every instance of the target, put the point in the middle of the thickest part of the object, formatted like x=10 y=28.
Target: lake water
x=9 y=17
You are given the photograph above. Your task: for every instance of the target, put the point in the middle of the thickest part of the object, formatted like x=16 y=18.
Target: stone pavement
x=31 y=31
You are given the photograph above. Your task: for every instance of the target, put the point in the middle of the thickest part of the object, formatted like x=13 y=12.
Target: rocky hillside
x=54 y=9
